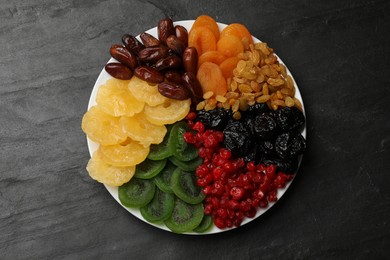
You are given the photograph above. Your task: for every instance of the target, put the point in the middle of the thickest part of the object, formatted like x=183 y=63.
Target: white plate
x=104 y=76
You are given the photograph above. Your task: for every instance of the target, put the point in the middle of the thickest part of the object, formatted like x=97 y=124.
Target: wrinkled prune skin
x=287 y=166
x=237 y=138
x=290 y=144
x=290 y=118
x=215 y=119
x=256 y=109
x=264 y=127
x=267 y=148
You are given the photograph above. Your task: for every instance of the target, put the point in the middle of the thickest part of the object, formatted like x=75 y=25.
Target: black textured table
x=51 y=53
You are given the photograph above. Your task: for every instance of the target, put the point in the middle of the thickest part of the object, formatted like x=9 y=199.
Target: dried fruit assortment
x=196 y=128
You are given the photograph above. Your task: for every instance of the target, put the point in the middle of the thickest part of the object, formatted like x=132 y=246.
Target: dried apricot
x=209 y=22
x=238 y=30
x=230 y=45
x=228 y=66
x=211 y=79
x=203 y=39
x=211 y=56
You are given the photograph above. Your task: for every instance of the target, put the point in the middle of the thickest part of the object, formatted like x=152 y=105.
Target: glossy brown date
x=153 y=54
x=149 y=74
x=176 y=45
x=118 y=70
x=124 y=56
x=172 y=90
x=173 y=76
x=182 y=34
x=165 y=29
x=170 y=62
x=190 y=60
x=149 y=40
x=191 y=83
x=132 y=44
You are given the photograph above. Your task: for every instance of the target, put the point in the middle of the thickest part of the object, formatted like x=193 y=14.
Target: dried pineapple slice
x=108 y=174
x=101 y=127
x=169 y=112
x=114 y=98
x=140 y=129
x=128 y=154
x=142 y=91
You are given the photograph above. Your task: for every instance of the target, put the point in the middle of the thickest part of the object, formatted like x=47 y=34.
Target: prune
x=290 y=119
x=252 y=154
x=290 y=144
x=264 y=127
x=257 y=109
x=215 y=119
x=287 y=166
x=267 y=147
x=237 y=138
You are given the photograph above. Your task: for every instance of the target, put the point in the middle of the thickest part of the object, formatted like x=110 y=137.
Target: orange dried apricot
x=238 y=30
x=211 y=79
x=202 y=39
x=209 y=22
x=228 y=66
x=230 y=45
x=211 y=56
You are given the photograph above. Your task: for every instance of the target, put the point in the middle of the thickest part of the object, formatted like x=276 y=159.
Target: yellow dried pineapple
x=114 y=98
x=108 y=174
x=127 y=154
x=102 y=128
x=169 y=112
x=140 y=129
x=145 y=92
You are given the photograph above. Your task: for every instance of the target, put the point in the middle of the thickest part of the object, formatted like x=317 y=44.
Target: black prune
x=237 y=138
x=287 y=166
x=290 y=144
x=215 y=119
x=267 y=147
x=264 y=127
x=252 y=154
x=257 y=109
x=290 y=119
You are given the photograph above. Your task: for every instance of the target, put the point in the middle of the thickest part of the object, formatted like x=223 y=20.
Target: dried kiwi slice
x=136 y=193
x=184 y=186
x=206 y=224
x=180 y=148
x=160 y=208
x=148 y=168
x=185 y=217
x=186 y=166
x=163 y=180
x=162 y=150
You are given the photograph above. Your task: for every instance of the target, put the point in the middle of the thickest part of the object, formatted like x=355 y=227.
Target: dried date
x=149 y=74
x=172 y=90
x=124 y=56
x=118 y=70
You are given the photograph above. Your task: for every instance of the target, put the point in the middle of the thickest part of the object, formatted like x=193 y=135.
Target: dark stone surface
x=338 y=206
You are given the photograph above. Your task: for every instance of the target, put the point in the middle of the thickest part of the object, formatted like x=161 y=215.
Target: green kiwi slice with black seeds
x=136 y=193
x=184 y=186
x=185 y=217
x=163 y=180
x=148 y=168
x=205 y=225
x=186 y=166
x=160 y=208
